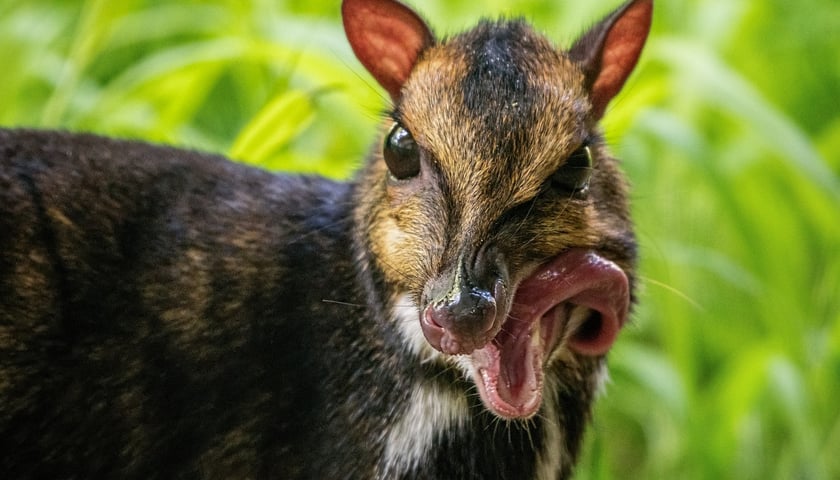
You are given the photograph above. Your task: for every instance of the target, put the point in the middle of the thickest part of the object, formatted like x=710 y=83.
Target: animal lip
x=509 y=370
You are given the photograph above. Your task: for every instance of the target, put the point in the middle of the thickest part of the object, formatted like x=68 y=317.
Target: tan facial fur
x=478 y=187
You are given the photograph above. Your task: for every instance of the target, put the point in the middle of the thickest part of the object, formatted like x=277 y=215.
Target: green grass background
x=729 y=132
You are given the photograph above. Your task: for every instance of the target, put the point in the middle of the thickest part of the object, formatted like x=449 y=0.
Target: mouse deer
x=444 y=314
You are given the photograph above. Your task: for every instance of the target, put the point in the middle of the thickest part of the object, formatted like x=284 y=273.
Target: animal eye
x=402 y=155
x=574 y=175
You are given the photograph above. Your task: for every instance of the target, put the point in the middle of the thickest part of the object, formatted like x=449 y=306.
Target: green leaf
x=278 y=123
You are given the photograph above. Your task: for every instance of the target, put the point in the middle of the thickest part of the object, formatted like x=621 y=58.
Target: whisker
x=546 y=419
x=529 y=241
x=527 y=214
x=305 y=235
x=527 y=427
x=339 y=302
x=371 y=86
x=675 y=291
x=405 y=276
x=404 y=305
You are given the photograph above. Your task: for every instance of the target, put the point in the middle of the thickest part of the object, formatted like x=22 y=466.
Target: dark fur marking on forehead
x=496 y=87
x=495 y=73
x=497 y=80
x=504 y=60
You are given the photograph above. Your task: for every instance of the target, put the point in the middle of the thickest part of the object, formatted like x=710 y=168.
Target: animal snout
x=461 y=322
x=465 y=310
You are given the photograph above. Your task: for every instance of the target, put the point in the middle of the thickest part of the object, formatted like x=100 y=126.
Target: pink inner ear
x=622 y=47
x=387 y=37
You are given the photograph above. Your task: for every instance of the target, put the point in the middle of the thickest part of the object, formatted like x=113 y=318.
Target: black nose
x=468 y=311
x=462 y=310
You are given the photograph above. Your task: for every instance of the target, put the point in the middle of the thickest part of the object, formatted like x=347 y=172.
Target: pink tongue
x=509 y=369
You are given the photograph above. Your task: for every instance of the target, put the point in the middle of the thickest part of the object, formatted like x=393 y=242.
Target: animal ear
x=387 y=37
x=608 y=52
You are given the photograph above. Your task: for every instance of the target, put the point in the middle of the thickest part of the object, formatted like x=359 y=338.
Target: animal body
x=445 y=314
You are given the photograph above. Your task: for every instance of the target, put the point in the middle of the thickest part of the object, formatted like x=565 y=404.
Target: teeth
x=536 y=334
x=577 y=315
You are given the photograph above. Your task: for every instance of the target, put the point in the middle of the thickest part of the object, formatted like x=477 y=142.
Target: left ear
x=608 y=52
x=387 y=37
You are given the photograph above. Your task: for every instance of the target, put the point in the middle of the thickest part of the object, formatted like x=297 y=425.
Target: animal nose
x=467 y=311
x=462 y=321
x=469 y=306
x=462 y=312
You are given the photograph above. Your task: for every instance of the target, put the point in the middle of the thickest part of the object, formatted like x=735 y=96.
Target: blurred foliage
x=729 y=131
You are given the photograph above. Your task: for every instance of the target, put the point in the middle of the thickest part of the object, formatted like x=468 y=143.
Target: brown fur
x=507 y=171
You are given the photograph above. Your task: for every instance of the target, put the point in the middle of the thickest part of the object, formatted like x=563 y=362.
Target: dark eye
x=574 y=175
x=402 y=155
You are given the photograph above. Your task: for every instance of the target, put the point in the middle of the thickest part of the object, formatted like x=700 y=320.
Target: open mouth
x=578 y=299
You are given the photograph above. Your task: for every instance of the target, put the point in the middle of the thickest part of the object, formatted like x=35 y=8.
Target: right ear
x=608 y=52
x=387 y=37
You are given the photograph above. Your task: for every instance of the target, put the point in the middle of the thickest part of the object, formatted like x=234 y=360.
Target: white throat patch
x=431 y=410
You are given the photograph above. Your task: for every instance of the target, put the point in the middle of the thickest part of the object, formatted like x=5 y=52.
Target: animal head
x=492 y=207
